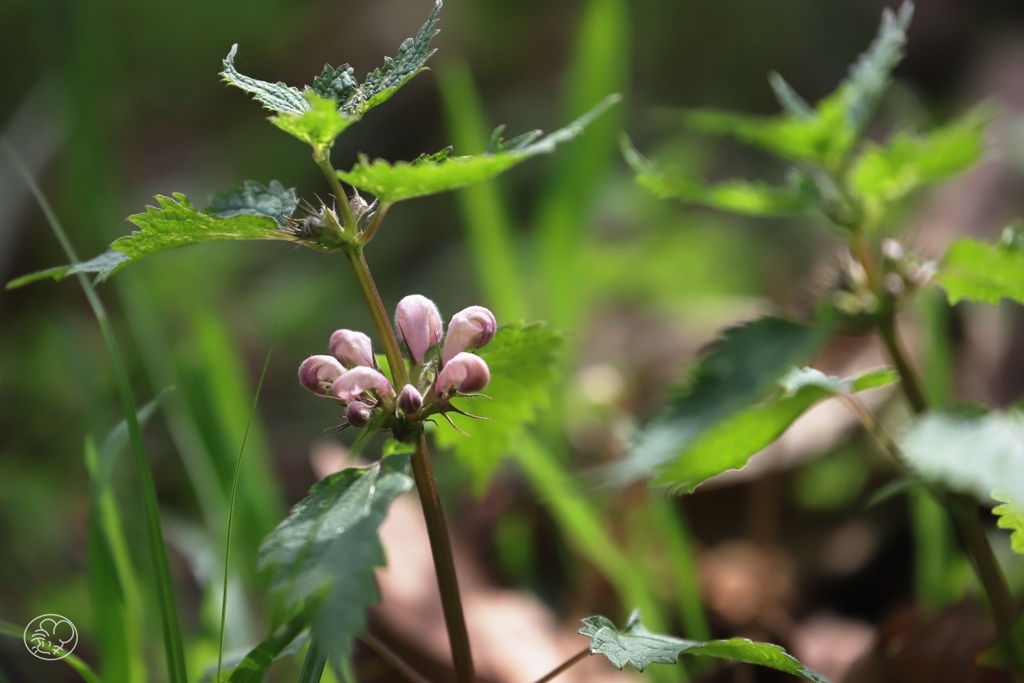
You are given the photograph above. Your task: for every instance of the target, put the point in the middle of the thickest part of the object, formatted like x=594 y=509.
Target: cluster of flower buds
x=901 y=274
x=437 y=373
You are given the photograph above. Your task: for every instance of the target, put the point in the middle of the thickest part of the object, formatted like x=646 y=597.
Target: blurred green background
x=113 y=102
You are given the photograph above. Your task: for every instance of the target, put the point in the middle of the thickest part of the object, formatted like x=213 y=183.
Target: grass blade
x=231 y=509
x=313 y=666
x=173 y=648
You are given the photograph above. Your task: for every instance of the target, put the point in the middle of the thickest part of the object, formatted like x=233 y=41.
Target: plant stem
x=908 y=378
x=437 y=531
x=348 y=218
x=313 y=665
x=565 y=666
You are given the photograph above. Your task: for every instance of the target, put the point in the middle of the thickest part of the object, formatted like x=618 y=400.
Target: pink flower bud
x=419 y=325
x=318 y=371
x=358 y=413
x=353 y=349
x=358 y=381
x=410 y=400
x=465 y=373
x=469 y=329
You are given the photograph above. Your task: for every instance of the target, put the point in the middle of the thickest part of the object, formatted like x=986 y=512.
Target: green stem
x=908 y=378
x=174 y=650
x=347 y=217
x=565 y=666
x=313 y=665
x=379 y=314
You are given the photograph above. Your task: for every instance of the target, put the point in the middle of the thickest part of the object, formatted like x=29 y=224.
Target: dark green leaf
x=327 y=549
x=1011 y=516
x=252 y=666
x=730 y=444
x=522 y=360
x=637 y=646
x=253 y=199
x=739 y=196
x=908 y=161
x=734 y=373
x=980 y=271
x=103 y=265
x=972 y=453
x=117 y=439
x=276 y=97
x=403 y=180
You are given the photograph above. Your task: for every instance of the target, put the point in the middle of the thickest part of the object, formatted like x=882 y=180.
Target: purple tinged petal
x=358 y=413
x=315 y=371
x=465 y=373
x=419 y=324
x=358 y=381
x=410 y=400
x=469 y=329
x=353 y=349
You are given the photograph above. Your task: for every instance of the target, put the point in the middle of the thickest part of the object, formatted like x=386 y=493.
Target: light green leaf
x=907 y=162
x=637 y=646
x=971 y=453
x=277 y=97
x=522 y=360
x=252 y=199
x=806 y=139
x=103 y=265
x=327 y=550
x=981 y=271
x=730 y=444
x=427 y=175
x=739 y=196
x=734 y=373
x=1011 y=516
x=319 y=125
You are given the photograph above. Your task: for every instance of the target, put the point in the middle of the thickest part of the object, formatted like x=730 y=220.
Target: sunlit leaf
x=638 y=647
x=319 y=125
x=522 y=360
x=1011 y=516
x=734 y=373
x=392 y=182
x=981 y=271
x=327 y=550
x=730 y=444
x=277 y=97
x=972 y=453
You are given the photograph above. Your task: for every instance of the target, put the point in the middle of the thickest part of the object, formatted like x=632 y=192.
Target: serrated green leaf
x=971 y=453
x=523 y=361
x=789 y=99
x=253 y=199
x=734 y=373
x=392 y=182
x=730 y=444
x=1011 y=516
x=103 y=265
x=327 y=550
x=638 y=647
x=319 y=125
x=981 y=271
x=739 y=196
x=277 y=97
x=907 y=162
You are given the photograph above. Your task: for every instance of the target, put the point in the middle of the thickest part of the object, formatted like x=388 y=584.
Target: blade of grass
x=83 y=669
x=482 y=205
x=313 y=666
x=231 y=509
x=599 y=67
x=672 y=526
x=173 y=648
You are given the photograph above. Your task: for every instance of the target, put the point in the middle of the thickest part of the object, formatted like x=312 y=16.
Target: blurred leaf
x=730 y=444
x=734 y=373
x=981 y=271
x=637 y=646
x=791 y=102
x=403 y=180
x=327 y=550
x=84 y=670
x=252 y=199
x=104 y=264
x=739 y=196
x=1001 y=655
x=117 y=439
x=815 y=139
x=251 y=667
x=1011 y=516
x=522 y=360
x=277 y=97
x=972 y=453
x=907 y=162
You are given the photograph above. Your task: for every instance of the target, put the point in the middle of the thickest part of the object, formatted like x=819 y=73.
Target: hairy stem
x=437 y=531
x=347 y=217
x=565 y=666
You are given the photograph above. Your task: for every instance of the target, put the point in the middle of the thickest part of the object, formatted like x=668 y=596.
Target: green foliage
x=637 y=646
x=277 y=97
x=906 y=162
x=432 y=174
x=327 y=549
x=980 y=271
x=523 y=361
x=734 y=373
x=253 y=199
x=971 y=453
x=287 y=640
x=739 y=196
x=1011 y=516
x=319 y=125
x=103 y=265
x=730 y=444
